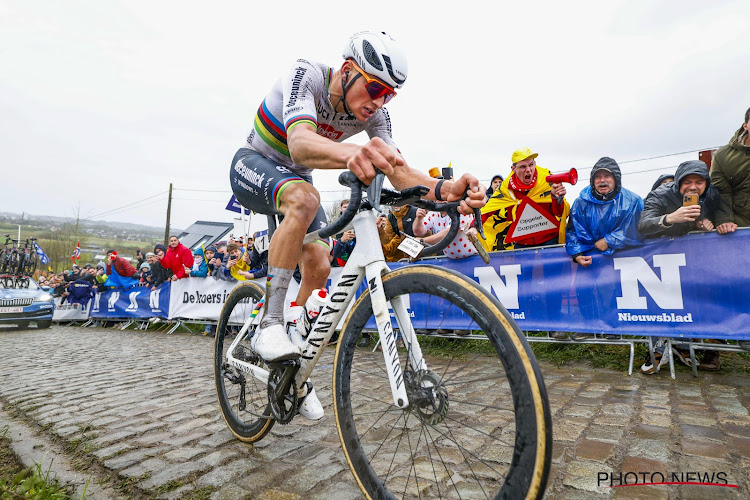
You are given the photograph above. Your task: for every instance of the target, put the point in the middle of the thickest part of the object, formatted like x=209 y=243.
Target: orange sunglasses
x=375 y=88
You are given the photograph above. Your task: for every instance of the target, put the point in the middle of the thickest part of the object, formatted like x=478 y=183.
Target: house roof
x=205 y=233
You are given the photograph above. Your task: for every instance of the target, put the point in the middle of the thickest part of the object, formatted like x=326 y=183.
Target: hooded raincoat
x=667 y=198
x=730 y=173
x=613 y=217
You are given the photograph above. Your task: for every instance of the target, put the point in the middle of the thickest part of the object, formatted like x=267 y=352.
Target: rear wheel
x=3 y=260
x=478 y=422
x=243 y=399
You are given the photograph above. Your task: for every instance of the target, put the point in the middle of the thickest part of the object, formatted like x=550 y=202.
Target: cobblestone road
x=139 y=408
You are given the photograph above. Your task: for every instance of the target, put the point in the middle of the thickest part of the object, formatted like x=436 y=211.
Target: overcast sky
x=104 y=103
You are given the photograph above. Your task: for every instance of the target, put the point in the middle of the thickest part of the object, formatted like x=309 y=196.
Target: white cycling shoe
x=273 y=344
x=310 y=408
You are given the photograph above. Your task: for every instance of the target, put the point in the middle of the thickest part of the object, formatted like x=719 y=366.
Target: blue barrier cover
x=136 y=302
x=696 y=285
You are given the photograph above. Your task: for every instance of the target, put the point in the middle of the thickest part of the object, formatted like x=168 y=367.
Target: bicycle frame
x=366 y=259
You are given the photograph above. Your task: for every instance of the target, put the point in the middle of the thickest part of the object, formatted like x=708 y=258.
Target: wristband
x=438 y=186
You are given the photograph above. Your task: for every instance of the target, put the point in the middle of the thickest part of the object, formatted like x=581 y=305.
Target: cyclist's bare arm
x=308 y=148
x=314 y=151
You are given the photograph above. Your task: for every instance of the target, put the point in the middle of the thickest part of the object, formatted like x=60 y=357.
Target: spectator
x=604 y=218
x=101 y=274
x=200 y=264
x=730 y=173
x=665 y=215
x=399 y=220
x=527 y=180
x=438 y=223
x=139 y=257
x=343 y=248
x=119 y=271
x=258 y=261
x=662 y=179
x=144 y=274
x=159 y=274
x=80 y=292
x=238 y=263
x=178 y=259
x=494 y=184
x=220 y=271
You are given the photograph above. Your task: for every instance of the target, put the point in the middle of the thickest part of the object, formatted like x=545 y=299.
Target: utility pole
x=169 y=213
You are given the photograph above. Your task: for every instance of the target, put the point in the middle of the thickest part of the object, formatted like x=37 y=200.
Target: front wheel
x=243 y=399
x=478 y=423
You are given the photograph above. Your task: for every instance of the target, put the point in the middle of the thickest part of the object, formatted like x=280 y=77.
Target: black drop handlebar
x=377 y=195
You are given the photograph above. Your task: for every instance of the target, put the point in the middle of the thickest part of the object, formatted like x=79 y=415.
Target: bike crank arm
x=387 y=336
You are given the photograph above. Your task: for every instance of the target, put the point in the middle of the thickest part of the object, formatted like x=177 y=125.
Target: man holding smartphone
x=687 y=204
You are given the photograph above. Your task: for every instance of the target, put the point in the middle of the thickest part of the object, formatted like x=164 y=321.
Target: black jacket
x=158 y=274
x=667 y=198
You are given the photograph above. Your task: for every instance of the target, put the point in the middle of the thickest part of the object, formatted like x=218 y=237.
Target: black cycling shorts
x=258 y=183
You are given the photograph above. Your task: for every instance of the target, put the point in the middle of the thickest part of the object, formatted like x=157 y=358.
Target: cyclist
x=299 y=127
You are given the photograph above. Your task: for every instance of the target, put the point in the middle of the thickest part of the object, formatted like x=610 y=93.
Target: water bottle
x=313 y=306
x=299 y=319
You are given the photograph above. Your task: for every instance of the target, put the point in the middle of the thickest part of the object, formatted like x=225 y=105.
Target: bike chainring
x=285 y=409
x=428 y=396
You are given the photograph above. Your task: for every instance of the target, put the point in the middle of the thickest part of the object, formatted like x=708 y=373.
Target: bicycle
x=9 y=256
x=28 y=259
x=413 y=422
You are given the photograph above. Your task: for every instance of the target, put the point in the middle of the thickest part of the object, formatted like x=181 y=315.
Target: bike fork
x=387 y=338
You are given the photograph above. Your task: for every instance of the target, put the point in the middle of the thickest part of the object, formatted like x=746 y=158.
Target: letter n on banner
x=666 y=292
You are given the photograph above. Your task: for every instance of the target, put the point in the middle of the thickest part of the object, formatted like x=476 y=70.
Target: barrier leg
x=651 y=353
x=671 y=358
x=693 y=361
x=174 y=327
x=632 y=357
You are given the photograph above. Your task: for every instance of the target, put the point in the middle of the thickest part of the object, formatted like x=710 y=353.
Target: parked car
x=23 y=302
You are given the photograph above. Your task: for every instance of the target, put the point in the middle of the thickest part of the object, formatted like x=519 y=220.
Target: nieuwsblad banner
x=133 y=303
x=692 y=286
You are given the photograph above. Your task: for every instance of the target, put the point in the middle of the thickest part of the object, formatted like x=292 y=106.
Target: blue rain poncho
x=613 y=217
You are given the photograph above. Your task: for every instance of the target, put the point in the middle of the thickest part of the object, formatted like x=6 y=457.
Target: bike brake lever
x=374 y=189
x=477 y=216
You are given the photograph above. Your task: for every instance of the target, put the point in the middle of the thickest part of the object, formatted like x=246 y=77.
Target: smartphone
x=689 y=200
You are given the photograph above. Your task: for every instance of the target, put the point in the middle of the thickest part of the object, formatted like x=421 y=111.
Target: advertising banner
x=687 y=287
x=203 y=299
x=66 y=311
x=138 y=302
x=695 y=286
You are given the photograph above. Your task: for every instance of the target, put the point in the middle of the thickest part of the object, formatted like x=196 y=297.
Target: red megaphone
x=569 y=177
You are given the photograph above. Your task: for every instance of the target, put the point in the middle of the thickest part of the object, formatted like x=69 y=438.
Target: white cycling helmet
x=379 y=55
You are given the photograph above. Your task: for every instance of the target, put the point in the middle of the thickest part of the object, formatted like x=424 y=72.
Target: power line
x=124 y=206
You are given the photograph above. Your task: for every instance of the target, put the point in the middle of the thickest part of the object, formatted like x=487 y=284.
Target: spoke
x=462 y=448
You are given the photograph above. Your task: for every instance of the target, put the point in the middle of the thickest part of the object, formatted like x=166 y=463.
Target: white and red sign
x=531 y=220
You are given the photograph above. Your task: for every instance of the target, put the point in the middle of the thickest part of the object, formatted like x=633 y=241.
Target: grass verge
x=17 y=481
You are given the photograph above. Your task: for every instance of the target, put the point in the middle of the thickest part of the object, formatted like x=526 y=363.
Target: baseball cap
x=523 y=154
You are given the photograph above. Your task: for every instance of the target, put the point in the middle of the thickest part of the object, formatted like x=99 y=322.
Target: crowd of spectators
x=604 y=218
